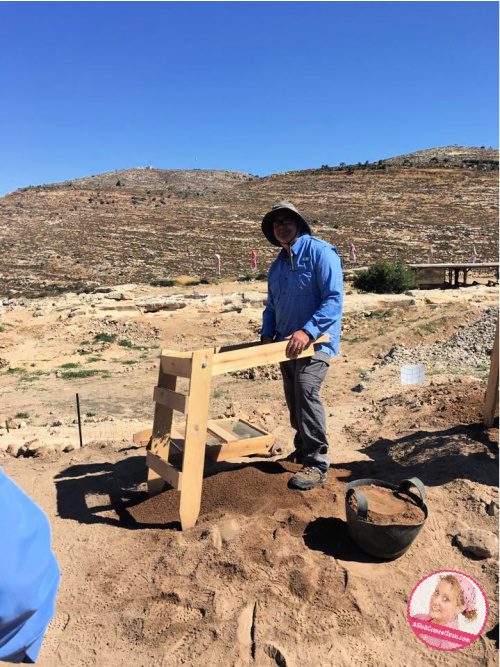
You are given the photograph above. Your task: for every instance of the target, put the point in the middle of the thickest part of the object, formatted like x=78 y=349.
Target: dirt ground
x=268 y=576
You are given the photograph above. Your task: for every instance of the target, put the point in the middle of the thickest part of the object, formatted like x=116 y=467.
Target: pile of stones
x=469 y=347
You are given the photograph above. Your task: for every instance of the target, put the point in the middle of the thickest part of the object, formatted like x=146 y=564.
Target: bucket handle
x=413 y=481
x=361 y=502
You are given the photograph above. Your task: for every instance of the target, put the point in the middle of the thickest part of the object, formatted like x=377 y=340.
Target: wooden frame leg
x=160 y=439
x=195 y=439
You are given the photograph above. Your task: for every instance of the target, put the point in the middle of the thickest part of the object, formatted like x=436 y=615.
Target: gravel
x=469 y=347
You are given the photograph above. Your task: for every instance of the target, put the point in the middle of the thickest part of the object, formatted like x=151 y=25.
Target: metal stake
x=79 y=419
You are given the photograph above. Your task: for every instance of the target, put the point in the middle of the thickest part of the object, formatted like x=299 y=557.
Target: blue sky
x=256 y=87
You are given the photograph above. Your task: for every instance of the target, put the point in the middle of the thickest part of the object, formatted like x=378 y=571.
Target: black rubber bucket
x=382 y=540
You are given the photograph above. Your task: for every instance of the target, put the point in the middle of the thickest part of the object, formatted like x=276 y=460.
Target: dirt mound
x=248 y=491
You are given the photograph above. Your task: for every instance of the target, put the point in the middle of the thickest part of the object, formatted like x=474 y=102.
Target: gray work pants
x=302 y=379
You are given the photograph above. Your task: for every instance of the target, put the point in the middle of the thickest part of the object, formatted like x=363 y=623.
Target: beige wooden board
x=160 y=440
x=233 y=450
x=176 y=434
x=257 y=355
x=164 y=470
x=196 y=433
x=170 y=399
x=142 y=437
x=491 y=396
x=220 y=432
x=176 y=363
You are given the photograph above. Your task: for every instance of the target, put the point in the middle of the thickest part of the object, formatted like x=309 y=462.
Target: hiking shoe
x=307 y=478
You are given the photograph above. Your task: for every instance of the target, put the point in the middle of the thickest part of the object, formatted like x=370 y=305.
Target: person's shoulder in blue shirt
x=29 y=574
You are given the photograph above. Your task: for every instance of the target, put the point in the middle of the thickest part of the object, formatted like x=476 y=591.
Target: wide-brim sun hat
x=267 y=221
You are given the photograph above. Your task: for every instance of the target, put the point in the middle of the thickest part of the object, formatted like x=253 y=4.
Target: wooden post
x=195 y=439
x=491 y=396
x=160 y=438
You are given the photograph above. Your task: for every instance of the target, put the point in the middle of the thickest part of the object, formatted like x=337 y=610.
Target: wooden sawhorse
x=183 y=468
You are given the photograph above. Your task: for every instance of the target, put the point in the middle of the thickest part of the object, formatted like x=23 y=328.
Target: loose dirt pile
x=249 y=491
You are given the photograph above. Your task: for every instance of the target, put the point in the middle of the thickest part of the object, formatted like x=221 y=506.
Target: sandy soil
x=268 y=576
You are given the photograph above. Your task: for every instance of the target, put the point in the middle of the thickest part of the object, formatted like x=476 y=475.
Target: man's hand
x=298 y=342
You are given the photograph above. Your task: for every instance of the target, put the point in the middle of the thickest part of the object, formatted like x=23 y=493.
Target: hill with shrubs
x=146 y=224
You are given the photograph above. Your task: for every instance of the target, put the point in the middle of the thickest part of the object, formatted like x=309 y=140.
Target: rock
x=359 y=388
x=44 y=451
x=228 y=529
x=216 y=537
x=232 y=410
x=154 y=304
x=13 y=449
x=33 y=445
x=116 y=296
x=259 y=298
x=476 y=543
x=57 y=422
x=16 y=423
x=69 y=448
x=492 y=508
x=102 y=290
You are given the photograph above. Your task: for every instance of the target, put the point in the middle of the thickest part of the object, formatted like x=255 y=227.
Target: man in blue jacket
x=305 y=294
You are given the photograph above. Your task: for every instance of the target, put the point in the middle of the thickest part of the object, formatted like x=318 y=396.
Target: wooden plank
x=233 y=450
x=220 y=432
x=196 y=433
x=258 y=355
x=176 y=363
x=160 y=440
x=165 y=470
x=142 y=437
x=491 y=396
x=177 y=435
x=236 y=346
x=170 y=399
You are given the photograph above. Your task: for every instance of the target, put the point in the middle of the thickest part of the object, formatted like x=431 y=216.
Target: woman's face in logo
x=444 y=606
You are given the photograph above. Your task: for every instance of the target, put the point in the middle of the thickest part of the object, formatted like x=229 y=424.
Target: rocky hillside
x=450 y=156
x=138 y=225
x=164 y=182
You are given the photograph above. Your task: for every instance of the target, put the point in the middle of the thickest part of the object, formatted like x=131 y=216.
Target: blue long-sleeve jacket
x=29 y=574
x=305 y=292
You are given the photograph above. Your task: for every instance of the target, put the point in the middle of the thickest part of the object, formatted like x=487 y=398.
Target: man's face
x=285 y=227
